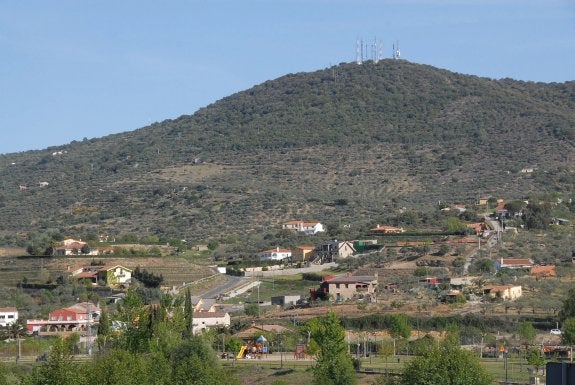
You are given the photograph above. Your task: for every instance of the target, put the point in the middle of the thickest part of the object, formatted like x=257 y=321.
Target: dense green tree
x=71 y=343
x=399 y=327
x=536 y=359
x=334 y=365
x=526 y=332
x=446 y=364
x=85 y=249
x=234 y=345
x=514 y=206
x=568 y=334
x=59 y=370
x=454 y=225
x=3 y=373
x=195 y=362
x=568 y=309
x=119 y=367
x=537 y=216
x=482 y=266
x=252 y=309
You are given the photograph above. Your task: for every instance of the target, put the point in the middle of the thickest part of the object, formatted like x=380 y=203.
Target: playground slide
x=242 y=351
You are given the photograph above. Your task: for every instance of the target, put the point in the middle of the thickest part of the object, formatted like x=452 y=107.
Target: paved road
x=236 y=282
x=487 y=243
x=232 y=283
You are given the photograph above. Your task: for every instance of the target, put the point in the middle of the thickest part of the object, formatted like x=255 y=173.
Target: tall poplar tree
x=188 y=315
x=334 y=364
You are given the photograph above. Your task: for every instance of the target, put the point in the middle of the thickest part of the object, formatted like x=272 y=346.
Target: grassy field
x=268 y=372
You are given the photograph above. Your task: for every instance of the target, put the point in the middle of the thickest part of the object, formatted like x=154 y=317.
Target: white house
x=276 y=254
x=308 y=228
x=205 y=320
x=8 y=315
x=513 y=263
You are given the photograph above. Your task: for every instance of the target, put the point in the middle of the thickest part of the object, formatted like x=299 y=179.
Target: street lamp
x=357 y=354
x=505 y=354
x=281 y=355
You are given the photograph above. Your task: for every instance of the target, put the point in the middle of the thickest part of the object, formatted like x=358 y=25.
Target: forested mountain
x=347 y=144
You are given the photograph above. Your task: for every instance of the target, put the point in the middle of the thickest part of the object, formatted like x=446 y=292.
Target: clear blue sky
x=71 y=69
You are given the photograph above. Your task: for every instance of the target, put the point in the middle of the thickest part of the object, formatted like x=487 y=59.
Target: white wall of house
x=122 y=274
x=206 y=320
x=8 y=316
x=275 y=255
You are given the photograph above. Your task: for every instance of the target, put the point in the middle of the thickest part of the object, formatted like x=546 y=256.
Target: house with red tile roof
x=78 y=317
x=504 y=292
x=110 y=275
x=306 y=227
x=347 y=286
x=276 y=254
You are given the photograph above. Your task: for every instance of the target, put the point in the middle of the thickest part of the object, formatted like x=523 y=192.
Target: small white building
x=205 y=320
x=8 y=315
x=276 y=254
x=308 y=228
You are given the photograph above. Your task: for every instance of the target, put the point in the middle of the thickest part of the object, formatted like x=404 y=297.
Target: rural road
x=236 y=282
x=232 y=283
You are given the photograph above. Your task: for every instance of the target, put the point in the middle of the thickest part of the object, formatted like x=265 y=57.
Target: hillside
x=347 y=144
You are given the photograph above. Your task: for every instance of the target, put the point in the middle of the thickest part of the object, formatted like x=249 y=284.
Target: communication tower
x=396 y=52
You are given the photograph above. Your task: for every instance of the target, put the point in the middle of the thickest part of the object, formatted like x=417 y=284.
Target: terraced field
x=176 y=271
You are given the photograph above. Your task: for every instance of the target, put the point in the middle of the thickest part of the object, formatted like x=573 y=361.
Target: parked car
x=556 y=332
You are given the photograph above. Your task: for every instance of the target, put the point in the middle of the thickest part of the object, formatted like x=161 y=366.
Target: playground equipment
x=254 y=349
x=242 y=351
x=299 y=353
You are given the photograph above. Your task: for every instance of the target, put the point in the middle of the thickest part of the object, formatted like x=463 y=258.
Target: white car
x=556 y=332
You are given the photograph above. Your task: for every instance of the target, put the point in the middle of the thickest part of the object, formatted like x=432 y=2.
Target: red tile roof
x=544 y=271
x=516 y=261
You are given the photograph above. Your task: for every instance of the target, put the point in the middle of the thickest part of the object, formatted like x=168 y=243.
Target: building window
x=337 y=285
x=10 y=316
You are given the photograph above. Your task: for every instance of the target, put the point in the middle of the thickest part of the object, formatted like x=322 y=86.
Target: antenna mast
x=357 y=52
x=396 y=53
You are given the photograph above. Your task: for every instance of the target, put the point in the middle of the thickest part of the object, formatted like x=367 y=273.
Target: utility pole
x=19 y=354
x=89 y=327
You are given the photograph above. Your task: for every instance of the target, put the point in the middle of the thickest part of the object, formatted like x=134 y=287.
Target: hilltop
x=347 y=144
